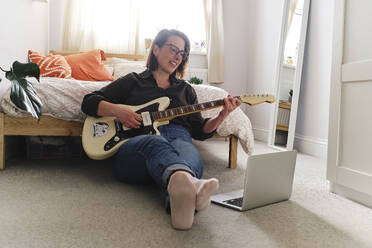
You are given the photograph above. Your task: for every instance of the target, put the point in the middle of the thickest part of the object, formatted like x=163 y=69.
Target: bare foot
x=182 y=194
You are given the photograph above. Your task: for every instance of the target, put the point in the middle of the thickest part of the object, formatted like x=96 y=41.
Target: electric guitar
x=102 y=137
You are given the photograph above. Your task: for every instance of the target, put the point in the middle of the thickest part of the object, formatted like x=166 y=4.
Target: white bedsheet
x=62 y=99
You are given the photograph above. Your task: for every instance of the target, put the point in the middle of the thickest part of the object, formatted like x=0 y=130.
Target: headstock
x=257 y=99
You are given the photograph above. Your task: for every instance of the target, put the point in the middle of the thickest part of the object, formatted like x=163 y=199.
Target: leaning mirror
x=288 y=75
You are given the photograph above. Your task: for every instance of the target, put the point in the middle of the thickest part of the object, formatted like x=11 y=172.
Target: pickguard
x=122 y=133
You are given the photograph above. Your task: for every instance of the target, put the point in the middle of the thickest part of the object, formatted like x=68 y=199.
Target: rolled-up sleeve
x=90 y=103
x=115 y=92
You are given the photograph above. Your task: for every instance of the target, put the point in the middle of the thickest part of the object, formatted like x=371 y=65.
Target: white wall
x=56 y=26
x=238 y=40
x=252 y=31
x=313 y=109
x=24 y=26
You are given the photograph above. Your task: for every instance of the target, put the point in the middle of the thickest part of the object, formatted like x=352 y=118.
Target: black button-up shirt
x=137 y=89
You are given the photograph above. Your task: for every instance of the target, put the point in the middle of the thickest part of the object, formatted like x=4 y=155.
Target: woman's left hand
x=230 y=104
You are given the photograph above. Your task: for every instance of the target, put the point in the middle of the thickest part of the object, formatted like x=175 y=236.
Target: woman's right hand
x=128 y=117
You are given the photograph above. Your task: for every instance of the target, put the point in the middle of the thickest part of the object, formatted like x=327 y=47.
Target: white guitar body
x=102 y=137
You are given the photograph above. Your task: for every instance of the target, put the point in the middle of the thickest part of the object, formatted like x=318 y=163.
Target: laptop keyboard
x=236 y=202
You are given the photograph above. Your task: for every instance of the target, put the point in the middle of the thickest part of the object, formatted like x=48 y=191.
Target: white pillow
x=110 y=69
x=122 y=69
x=115 y=60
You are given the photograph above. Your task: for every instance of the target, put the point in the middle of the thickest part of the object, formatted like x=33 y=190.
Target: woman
x=171 y=160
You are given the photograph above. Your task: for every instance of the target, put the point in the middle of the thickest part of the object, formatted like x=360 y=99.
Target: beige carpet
x=79 y=204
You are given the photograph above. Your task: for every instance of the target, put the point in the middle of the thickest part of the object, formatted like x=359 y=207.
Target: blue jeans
x=146 y=159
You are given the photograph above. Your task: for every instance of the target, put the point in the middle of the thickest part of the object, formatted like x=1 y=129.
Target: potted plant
x=148 y=42
x=22 y=93
x=196 y=80
x=290 y=95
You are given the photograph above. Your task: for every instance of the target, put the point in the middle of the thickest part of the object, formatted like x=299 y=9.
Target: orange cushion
x=88 y=66
x=51 y=65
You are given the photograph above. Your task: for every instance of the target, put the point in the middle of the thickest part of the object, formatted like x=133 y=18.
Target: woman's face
x=169 y=56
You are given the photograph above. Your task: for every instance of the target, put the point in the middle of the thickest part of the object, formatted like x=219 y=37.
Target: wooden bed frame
x=49 y=126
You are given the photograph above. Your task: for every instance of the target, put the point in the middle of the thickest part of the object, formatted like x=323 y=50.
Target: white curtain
x=121 y=26
x=215 y=40
x=292 y=9
x=87 y=26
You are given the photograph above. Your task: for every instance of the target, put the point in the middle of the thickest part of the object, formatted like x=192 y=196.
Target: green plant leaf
x=23 y=95
x=22 y=70
x=196 y=80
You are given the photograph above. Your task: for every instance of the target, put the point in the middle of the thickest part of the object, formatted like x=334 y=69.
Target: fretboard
x=186 y=110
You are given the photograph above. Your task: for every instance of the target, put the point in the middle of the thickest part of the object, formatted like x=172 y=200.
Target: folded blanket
x=70 y=94
x=237 y=123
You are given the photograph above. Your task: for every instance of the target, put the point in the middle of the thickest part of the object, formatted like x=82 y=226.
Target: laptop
x=268 y=180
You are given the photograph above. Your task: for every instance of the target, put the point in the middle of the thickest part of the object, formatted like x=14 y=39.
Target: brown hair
x=160 y=39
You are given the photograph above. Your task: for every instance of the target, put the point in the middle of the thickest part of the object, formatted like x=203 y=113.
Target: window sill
x=195 y=52
x=289 y=66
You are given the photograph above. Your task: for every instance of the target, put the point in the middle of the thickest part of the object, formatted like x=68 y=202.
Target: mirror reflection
x=287 y=74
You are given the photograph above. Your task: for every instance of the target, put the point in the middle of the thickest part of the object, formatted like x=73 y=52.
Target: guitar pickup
x=146 y=119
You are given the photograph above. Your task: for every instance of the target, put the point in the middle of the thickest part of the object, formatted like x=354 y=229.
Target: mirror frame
x=297 y=76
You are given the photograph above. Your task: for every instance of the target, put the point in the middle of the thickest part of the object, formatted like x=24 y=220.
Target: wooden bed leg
x=2 y=144
x=233 y=151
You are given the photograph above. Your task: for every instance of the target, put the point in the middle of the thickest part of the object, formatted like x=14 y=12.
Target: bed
x=62 y=115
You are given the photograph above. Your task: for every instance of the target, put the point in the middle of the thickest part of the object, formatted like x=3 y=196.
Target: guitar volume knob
x=116 y=139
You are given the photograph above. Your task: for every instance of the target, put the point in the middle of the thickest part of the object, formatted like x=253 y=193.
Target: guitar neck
x=186 y=110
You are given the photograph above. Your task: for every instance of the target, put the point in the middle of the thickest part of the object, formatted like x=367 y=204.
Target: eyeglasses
x=175 y=51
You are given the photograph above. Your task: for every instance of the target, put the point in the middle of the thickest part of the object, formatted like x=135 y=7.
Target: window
x=184 y=15
x=121 y=26
x=294 y=32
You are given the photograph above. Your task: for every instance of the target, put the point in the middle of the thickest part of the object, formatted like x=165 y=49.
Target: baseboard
x=311 y=145
x=351 y=194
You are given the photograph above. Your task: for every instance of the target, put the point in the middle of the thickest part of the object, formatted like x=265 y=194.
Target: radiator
x=283 y=116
